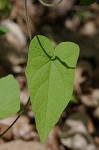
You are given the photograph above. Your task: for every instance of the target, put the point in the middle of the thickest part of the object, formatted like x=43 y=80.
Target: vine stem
x=21 y=111
x=49 y=5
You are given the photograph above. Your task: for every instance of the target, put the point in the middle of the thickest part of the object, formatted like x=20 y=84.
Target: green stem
x=22 y=111
x=49 y=5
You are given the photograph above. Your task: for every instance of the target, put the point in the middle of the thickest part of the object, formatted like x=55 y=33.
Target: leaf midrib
x=49 y=94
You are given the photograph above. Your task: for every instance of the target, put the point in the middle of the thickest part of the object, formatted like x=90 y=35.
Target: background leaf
x=87 y=2
x=74 y=99
x=50 y=83
x=3 y=30
x=9 y=96
x=5 y=6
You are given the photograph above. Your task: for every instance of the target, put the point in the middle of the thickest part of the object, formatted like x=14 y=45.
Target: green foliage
x=50 y=74
x=9 y=96
x=3 y=30
x=87 y=2
x=5 y=6
x=83 y=15
x=74 y=99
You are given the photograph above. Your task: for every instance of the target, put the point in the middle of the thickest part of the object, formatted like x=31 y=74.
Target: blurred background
x=78 y=126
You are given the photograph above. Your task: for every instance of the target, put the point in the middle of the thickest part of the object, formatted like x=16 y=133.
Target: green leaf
x=3 y=30
x=87 y=2
x=9 y=96
x=50 y=75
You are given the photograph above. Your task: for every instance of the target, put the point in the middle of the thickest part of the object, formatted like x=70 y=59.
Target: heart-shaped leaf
x=9 y=96
x=50 y=75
